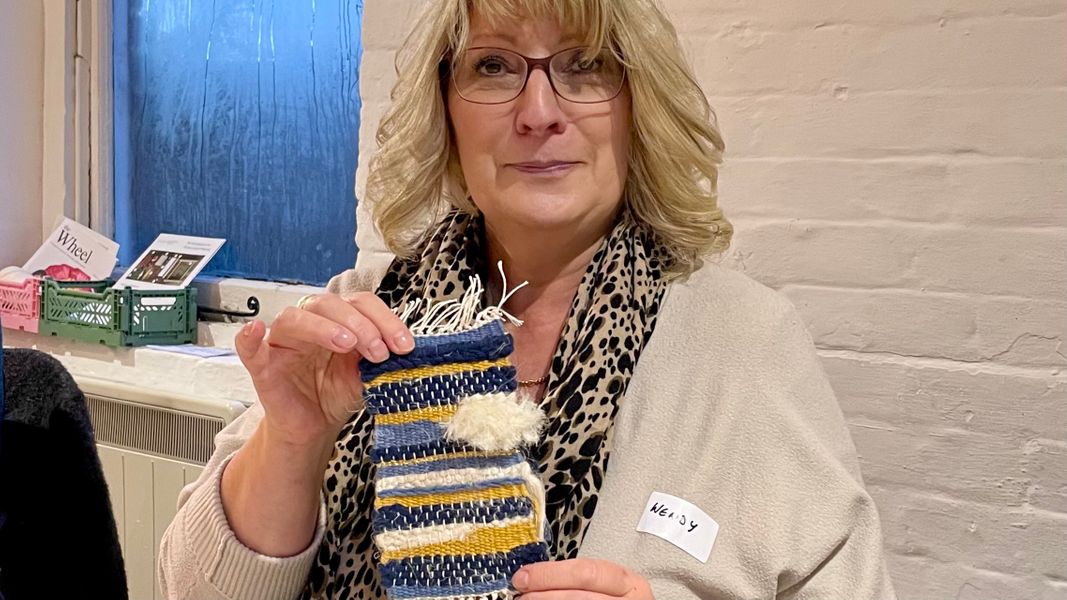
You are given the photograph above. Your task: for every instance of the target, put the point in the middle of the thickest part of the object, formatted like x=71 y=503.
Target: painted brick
x=920 y=578
x=974 y=54
x=385 y=24
x=995 y=438
x=988 y=470
x=1020 y=541
x=1004 y=123
x=966 y=328
x=698 y=16
x=979 y=191
x=376 y=79
x=1027 y=262
x=922 y=396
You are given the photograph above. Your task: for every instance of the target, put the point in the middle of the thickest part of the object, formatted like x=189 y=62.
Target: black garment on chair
x=58 y=537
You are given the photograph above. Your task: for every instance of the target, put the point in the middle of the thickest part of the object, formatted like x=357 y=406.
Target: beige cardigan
x=728 y=409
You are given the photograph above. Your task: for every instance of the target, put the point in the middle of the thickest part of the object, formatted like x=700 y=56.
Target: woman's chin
x=521 y=209
x=541 y=216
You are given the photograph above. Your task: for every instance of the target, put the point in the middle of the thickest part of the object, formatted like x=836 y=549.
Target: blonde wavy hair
x=675 y=146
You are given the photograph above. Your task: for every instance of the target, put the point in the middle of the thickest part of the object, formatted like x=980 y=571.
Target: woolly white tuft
x=495 y=422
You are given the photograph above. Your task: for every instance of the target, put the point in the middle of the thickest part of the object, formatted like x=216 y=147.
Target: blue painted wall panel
x=240 y=119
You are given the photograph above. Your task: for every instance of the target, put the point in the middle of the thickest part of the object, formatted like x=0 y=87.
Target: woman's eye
x=580 y=65
x=490 y=66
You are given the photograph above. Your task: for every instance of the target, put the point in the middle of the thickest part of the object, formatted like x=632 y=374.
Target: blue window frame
x=239 y=119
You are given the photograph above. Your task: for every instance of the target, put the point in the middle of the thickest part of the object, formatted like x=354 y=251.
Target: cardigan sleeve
x=841 y=529
x=199 y=556
x=363 y=278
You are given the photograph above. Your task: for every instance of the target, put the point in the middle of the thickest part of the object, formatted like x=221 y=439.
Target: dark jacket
x=57 y=536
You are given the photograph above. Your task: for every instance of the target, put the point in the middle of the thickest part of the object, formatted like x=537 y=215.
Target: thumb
x=250 y=346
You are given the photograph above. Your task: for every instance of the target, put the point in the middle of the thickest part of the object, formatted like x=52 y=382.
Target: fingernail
x=378 y=351
x=344 y=339
x=403 y=342
x=247 y=329
x=520 y=580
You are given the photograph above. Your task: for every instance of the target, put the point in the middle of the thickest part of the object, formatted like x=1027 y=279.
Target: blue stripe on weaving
x=488 y=342
x=450 y=463
x=444 y=591
x=408 y=434
x=439 y=390
x=396 y=516
x=438 y=448
x=444 y=489
x=455 y=570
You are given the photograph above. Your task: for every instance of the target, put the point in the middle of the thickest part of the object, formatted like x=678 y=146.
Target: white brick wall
x=898 y=170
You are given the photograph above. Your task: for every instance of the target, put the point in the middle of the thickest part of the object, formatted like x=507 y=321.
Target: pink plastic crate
x=20 y=305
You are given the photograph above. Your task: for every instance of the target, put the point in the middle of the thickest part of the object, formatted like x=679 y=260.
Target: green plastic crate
x=116 y=317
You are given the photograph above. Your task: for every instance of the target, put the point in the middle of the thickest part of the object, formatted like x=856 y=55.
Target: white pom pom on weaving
x=495 y=422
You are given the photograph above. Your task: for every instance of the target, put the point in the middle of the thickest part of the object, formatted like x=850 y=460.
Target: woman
x=570 y=142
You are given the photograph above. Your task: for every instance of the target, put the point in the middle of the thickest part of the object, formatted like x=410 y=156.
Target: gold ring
x=303 y=301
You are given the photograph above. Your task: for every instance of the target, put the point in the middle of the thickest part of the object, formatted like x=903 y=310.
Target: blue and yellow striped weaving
x=452 y=518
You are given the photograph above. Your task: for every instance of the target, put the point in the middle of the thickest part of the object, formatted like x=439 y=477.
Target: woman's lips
x=552 y=167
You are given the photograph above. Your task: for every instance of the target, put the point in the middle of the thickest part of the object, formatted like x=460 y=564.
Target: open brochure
x=171 y=262
x=73 y=252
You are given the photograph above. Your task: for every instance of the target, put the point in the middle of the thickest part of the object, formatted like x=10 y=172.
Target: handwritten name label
x=680 y=523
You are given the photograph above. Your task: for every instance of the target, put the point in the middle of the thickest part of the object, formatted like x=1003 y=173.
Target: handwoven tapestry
x=458 y=508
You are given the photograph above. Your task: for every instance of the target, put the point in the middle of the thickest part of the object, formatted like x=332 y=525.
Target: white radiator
x=151 y=444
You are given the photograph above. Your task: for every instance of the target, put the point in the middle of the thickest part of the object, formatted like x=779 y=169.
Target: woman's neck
x=553 y=269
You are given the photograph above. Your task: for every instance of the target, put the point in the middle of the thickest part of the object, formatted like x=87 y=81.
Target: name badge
x=680 y=523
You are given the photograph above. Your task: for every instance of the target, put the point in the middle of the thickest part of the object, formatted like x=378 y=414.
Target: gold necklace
x=491 y=293
x=532 y=382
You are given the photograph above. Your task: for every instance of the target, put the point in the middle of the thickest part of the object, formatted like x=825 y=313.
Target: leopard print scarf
x=611 y=318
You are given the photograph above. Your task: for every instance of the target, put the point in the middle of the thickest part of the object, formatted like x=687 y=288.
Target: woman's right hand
x=306 y=369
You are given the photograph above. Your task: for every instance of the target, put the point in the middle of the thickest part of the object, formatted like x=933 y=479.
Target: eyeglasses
x=494 y=76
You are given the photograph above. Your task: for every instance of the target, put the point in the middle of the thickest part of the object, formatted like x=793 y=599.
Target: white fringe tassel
x=462 y=314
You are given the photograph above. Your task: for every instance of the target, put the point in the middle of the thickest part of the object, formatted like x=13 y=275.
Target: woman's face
x=539 y=162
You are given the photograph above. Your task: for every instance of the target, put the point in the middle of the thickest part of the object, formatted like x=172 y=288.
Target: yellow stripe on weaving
x=430 y=413
x=495 y=493
x=485 y=540
x=445 y=456
x=423 y=372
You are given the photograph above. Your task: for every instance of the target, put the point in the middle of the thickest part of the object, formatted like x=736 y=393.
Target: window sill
x=231 y=294
x=218 y=379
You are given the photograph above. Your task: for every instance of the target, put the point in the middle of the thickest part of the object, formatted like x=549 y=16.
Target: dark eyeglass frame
x=545 y=65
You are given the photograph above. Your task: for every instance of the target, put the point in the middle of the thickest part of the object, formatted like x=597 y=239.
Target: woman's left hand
x=580 y=578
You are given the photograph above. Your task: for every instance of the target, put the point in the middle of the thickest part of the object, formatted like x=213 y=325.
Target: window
x=239 y=119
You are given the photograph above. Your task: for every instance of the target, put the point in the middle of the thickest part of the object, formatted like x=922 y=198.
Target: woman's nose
x=538 y=107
